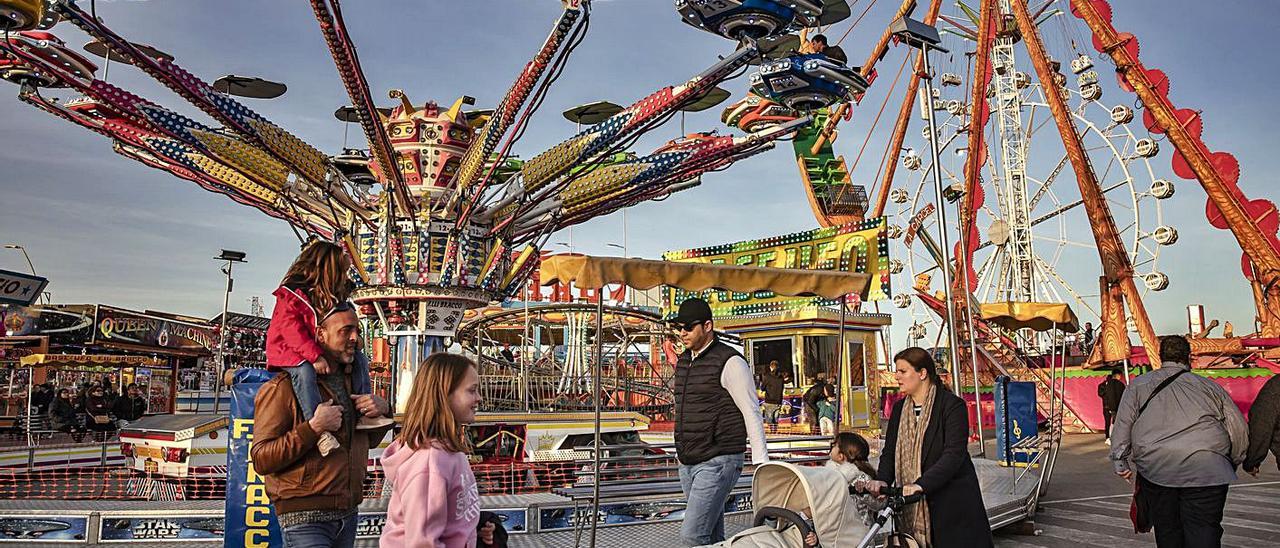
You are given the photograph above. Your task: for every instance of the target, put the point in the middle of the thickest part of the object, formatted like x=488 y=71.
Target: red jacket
x=291 y=338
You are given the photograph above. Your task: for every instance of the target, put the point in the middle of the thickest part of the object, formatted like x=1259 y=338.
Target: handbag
x=1137 y=506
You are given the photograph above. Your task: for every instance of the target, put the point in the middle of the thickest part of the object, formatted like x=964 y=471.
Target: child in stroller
x=812 y=506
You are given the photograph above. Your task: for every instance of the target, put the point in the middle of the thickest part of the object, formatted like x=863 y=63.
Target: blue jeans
x=328 y=534
x=307 y=388
x=706 y=487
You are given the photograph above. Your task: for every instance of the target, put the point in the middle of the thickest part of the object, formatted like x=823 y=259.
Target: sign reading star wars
x=854 y=247
x=125 y=529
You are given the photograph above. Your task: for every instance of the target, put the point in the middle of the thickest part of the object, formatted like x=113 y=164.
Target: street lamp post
x=925 y=37
x=231 y=257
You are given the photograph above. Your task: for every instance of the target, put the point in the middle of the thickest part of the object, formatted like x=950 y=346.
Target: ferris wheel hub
x=999 y=232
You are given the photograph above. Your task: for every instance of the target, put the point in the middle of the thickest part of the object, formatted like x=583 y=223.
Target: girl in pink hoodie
x=434 y=501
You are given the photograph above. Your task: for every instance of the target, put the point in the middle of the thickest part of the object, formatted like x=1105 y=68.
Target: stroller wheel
x=785 y=518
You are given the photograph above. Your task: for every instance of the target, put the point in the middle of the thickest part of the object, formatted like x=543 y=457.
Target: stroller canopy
x=820 y=492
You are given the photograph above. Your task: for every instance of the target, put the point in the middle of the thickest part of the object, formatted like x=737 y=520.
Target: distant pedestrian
x=1111 y=390
x=63 y=415
x=773 y=385
x=1183 y=436
x=97 y=410
x=1264 y=426
x=130 y=407
x=827 y=415
x=41 y=397
x=507 y=354
x=811 y=397
x=1088 y=337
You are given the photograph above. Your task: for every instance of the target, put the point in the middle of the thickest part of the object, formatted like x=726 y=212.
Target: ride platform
x=542 y=520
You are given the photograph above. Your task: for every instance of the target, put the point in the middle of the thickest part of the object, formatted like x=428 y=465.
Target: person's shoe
x=327 y=444
x=1108 y=442
x=371 y=423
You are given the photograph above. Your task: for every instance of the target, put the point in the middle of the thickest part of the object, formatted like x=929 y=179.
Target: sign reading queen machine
x=854 y=247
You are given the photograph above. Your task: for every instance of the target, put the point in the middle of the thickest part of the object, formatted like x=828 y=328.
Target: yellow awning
x=645 y=274
x=1036 y=316
x=100 y=360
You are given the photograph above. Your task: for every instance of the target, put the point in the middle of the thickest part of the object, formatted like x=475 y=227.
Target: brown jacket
x=284 y=452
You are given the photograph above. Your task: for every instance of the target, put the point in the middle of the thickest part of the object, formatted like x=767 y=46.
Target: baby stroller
x=800 y=500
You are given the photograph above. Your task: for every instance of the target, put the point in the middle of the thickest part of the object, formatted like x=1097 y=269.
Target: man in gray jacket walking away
x=1183 y=437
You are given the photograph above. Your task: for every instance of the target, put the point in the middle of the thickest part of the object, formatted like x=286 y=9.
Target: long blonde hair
x=428 y=416
x=321 y=271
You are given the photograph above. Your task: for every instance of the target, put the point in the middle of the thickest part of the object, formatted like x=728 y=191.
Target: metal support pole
x=840 y=359
x=595 y=397
x=942 y=222
x=222 y=345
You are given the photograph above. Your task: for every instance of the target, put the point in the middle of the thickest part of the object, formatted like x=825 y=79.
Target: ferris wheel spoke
x=1044 y=187
x=1125 y=205
x=1046 y=269
x=1049 y=290
x=984 y=277
x=1064 y=241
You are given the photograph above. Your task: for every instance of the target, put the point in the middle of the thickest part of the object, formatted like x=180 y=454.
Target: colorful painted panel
x=28 y=530
x=854 y=247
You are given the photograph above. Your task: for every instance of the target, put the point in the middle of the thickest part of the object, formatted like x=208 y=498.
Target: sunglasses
x=686 y=326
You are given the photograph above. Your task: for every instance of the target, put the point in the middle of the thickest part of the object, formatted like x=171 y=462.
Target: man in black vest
x=716 y=412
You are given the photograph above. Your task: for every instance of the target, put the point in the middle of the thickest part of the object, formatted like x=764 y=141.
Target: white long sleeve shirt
x=737 y=379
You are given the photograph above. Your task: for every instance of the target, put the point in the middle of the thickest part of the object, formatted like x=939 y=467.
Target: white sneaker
x=371 y=423
x=1108 y=441
x=327 y=444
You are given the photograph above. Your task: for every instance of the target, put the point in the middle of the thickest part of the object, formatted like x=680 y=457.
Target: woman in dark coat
x=926 y=450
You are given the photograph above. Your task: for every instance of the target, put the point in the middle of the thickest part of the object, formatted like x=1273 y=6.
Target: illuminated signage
x=854 y=247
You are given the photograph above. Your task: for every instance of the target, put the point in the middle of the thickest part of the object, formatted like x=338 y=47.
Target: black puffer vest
x=708 y=424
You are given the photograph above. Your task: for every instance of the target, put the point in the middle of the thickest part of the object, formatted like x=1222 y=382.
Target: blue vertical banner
x=250 y=518
x=1016 y=414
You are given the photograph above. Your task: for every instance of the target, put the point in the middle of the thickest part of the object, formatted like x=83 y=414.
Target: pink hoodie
x=434 y=502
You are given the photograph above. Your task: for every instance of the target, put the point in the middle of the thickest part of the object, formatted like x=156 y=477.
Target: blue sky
x=108 y=230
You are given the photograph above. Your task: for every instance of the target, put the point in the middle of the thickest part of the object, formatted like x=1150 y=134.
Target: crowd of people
x=92 y=406
x=1181 y=461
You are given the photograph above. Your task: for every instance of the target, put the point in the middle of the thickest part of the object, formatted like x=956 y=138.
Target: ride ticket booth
x=805 y=342
x=806 y=334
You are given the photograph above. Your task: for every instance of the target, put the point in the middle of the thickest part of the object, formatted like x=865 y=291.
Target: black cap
x=693 y=311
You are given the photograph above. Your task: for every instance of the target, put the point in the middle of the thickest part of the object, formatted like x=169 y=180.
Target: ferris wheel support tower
x=1018 y=281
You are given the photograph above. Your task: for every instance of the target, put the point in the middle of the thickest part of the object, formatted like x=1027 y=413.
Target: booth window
x=763 y=352
x=820 y=356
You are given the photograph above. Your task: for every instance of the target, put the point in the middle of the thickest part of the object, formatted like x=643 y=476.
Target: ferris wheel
x=1035 y=240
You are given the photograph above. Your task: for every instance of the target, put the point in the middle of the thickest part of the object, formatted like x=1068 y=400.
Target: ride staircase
x=826 y=175
x=999 y=354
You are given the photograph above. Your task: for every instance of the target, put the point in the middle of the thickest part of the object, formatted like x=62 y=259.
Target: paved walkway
x=1087 y=505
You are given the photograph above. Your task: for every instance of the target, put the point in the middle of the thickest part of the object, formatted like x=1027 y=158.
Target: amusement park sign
x=117 y=325
x=20 y=289
x=854 y=247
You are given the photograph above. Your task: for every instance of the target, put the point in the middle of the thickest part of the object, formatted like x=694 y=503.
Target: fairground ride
x=439 y=214
x=1050 y=167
